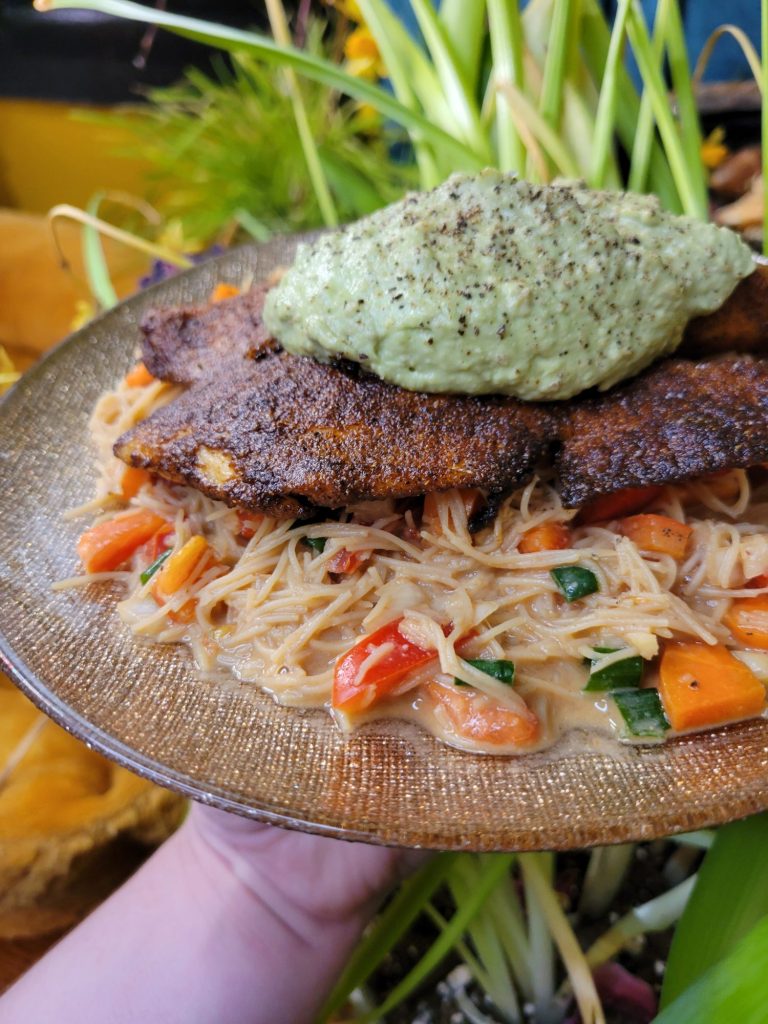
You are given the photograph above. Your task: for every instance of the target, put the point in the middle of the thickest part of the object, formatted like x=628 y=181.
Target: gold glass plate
x=229 y=744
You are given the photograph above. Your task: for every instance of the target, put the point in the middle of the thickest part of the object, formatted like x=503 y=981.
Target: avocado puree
x=491 y=285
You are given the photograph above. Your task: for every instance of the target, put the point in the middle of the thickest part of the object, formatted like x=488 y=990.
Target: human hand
x=301 y=875
x=230 y=922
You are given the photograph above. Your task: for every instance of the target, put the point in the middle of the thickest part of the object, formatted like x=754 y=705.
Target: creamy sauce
x=488 y=285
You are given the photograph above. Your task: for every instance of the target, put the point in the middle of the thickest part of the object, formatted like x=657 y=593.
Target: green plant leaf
x=94 y=260
x=464 y=24
x=392 y=923
x=494 y=870
x=688 y=115
x=731 y=991
x=730 y=896
x=668 y=128
x=506 y=31
x=595 y=41
x=455 y=85
x=316 y=68
x=602 y=140
x=642 y=146
x=495 y=969
x=556 y=63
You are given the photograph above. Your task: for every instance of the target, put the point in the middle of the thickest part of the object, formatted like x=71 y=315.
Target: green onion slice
x=642 y=712
x=621 y=675
x=150 y=571
x=316 y=543
x=499 y=669
x=574 y=581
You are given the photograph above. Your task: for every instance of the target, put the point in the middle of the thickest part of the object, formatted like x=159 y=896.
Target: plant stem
x=159 y=252
x=497 y=868
x=606 y=108
x=506 y=34
x=541 y=894
x=279 y=24
x=653 y=916
x=606 y=871
x=537 y=879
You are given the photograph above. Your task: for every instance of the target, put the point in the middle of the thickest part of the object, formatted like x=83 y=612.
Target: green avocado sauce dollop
x=492 y=285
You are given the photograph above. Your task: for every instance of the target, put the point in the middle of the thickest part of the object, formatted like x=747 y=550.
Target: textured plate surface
x=230 y=745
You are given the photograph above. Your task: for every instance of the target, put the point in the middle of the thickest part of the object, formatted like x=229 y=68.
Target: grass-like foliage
x=224 y=149
x=552 y=101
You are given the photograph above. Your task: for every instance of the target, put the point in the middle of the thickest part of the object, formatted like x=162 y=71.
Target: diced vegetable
x=132 y=482
x=703 y=685
x=224 y=291
x=550 y=536
x=182 y=568
x=575 y=581
x=139 y=377
x=620 y=503
x=478 y=717
x=747 y=619
x=150 y=571
x=316 y=543
x=110 y=544
x=620 y=675
x=347 y=562
x=657 y=533
x=498 y=668
x=758 y=581
x=356 y=687
x=642 y=712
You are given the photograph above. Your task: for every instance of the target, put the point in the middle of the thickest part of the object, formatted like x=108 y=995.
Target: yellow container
x=47 y=156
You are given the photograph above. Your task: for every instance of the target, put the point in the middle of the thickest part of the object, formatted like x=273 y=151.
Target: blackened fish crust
x=264 y=430
x=677 y=420
x=284 y=434
x=189 y=343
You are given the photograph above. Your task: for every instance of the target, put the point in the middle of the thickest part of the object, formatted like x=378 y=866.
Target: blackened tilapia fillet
x=189 y=343
x=677 y=420
x=269 y=431
x=284 y=434
x=740 y=325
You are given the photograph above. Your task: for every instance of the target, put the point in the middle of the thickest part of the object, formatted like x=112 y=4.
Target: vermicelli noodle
x=268 y=608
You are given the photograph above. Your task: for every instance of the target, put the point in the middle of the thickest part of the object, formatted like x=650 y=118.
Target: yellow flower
x=362 y=53
x=348 y=8
x=8 y=374
x=85 y=311
x=713 y=149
